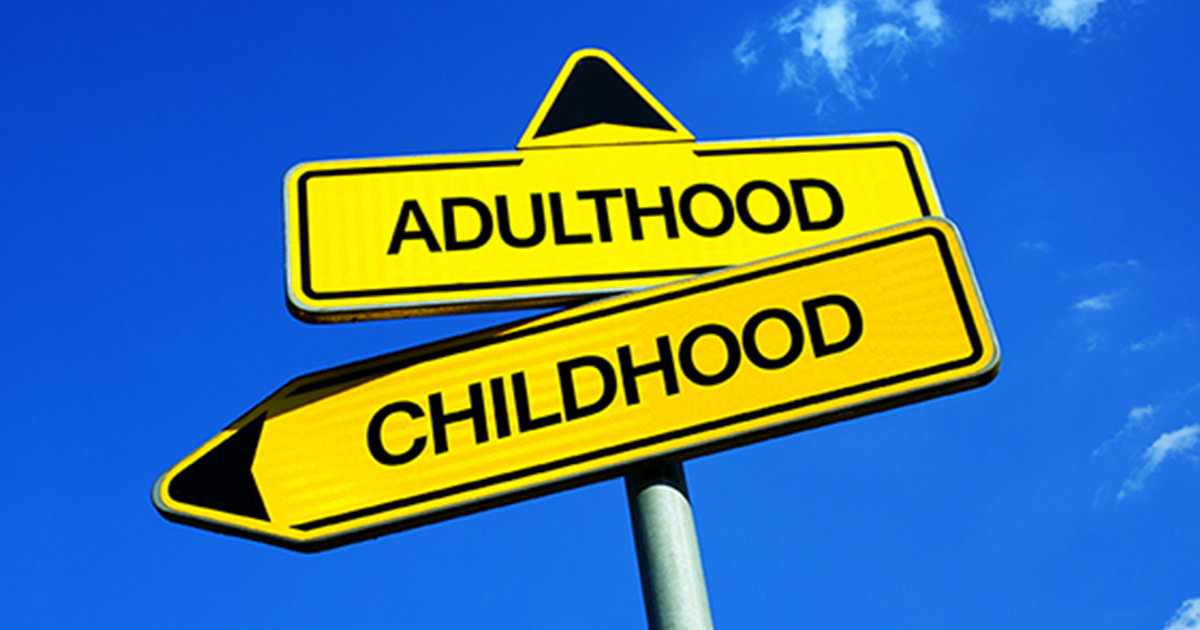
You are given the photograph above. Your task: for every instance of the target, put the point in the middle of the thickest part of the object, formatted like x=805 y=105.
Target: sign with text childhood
x=606 y=192
x=691 y=367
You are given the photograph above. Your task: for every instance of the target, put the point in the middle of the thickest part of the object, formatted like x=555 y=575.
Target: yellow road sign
x=675 y=371
x=606 y=192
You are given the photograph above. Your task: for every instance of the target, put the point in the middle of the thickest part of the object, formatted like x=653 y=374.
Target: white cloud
x=924 y=14
x=1067 y=15
x=824 y=43
x=1139 y=415
x=1183 y=328
x=1070 y=15
x=1006 y=11
x=1139 y=418
x=1187 y=617
x=824 y=33
x=1115 y=265
x=1102 y=302
x=890 y=6
x=847 y=42
x=1150 y=342
x=744 y=55
x=791 y=75
x=1037 y=246
x=929 y=18
x=833 y=38
x=1175 y=443
x=887 y=35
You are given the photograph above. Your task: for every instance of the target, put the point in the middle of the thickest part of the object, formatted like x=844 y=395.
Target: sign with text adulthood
x=606 y=192
x=722 y=359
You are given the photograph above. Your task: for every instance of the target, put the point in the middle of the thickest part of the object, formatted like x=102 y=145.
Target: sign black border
x=300 y=391
x=303 y=228
x=961 y=300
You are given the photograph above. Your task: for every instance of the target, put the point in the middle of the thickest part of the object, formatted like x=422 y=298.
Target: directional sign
x=606 y=192
x=687 y=368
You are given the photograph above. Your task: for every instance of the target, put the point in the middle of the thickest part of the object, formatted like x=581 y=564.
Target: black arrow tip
x=221 y=478
x=594 y=93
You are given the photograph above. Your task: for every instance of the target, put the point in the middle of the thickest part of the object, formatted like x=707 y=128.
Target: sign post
x=667 y=548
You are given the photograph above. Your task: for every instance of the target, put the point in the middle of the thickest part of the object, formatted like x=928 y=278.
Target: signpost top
x=595 y=101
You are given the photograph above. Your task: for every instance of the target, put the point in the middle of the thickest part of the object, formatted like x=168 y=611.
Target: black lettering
x=539 y=222
x=636 y=212
x=572 y=410
x=440 y=419
x=560 y=227
x=687 y=363
x=485 y=223
x=685 y=210
x=821 y=347
x=500 y=406
x=375 y=434
x=525 y=419
x=630 y=372
x=601 y=198
x=750 y=338
x=743 y=206
x=402 y=233
x=835 y=200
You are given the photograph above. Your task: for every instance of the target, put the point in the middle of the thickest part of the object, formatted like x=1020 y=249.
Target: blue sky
x=144 y=151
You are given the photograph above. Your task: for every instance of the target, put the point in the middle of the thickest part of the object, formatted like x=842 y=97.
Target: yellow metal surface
x=606 y=192
x=687 y=368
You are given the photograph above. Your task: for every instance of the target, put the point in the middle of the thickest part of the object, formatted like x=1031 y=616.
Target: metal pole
x=667 y=550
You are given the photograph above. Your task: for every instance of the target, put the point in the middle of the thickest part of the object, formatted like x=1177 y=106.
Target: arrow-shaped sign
x=692 y=367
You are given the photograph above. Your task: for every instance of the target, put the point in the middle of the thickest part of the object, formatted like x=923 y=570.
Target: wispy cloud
x=1068 y=15
x=1177 y=443
x=929 y=18
x=1037 y=246
x=1183 y=328
x=846 y=42
x=836 y=39
x=1187 y=617
x=745 y=53
x=1006 y=11
x=1116 y=265
x=1139 y=418
x=1139 y=415
x=1102 y=302
x=824 y=33
x=1150 y=342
